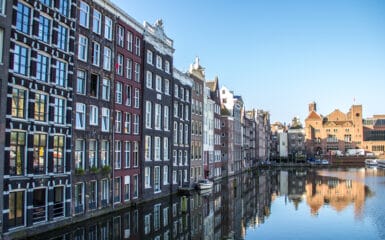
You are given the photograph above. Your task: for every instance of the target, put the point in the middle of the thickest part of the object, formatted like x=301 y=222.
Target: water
x=264 y=204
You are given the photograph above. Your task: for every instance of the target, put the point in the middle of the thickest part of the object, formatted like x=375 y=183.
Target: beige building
x=335 y=131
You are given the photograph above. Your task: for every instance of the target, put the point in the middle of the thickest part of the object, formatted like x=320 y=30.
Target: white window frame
x=158 y=83
x=84 y=8
x=118 y=121
x=107 y=56
x=94 y=115
x=167 y=66
x=127 y=123
x=149 y=57
x=147 y=148
x=80 y=116
x=96 y=21
x=166 y=86
x=158 y=62
x=136 y=124
x=166 y=115
x=105 y=120
x=120 y=36
x=165 y=175
x=157 y=184
x=107 y=28
x=158 y=116
x=95 y=53
x=127 y=154
x=119 y=92
x=147 y=177
x=157 y=147
x=118 y=154
x=148 y=114
x=149 y=79
x=120 y=64
x=83 y=48
x=165 y=149
x=130 y=38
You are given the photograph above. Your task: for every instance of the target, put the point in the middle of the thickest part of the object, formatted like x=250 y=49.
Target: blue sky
x=281 y=55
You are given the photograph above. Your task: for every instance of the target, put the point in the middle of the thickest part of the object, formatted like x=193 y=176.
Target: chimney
x=313 y=107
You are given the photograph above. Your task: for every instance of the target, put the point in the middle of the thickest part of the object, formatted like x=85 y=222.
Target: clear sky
x=280 y=55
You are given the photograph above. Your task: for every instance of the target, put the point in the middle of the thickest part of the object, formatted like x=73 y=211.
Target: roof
x=313 y=116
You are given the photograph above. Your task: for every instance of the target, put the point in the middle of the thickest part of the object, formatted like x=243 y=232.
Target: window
x=118 y=93
x=175 y=158
x=93 y=153
x=175 y=133
x=137 y=46
x=108 y=28
x=20 y=60
x=165 y=149
x=93 y=194
x=165 y=175
x=158 y=62
x=137 y=72
x=136 y=154
x=127 y=102
x=127 y=197
x=167 y=66
x=120 y=37
x=158 y=116
x=94 y=115
x=58 y=153
x=157 y=149
x=118 y=154
x=149 y=79
x=165 y=118
x=105 y=191
x=187 y=113
x=147 y=148
x=84 y=11
x=64 y=7
x=185 y=158
x=167 y=87
x=105 y=149
x=19 y=102
x=147 y=224
x=185 y=175
x=117 y=191
x=59 y=111
x=118 y=122
x=17 y=153
x=1 y=39
x=176 y=106
x=79 y=153
x=96 y=21
x=16 y=203
x=156 y=179
x=147 y=177
x=61 y=73
x=127 y=154
x=149 y=57
x=2 y=6
x=136 y=187
x=82 y=48
x=80 y=115
x=81 y=82
x=40 y=113
x=62 y=37
x=106 y=89
x=95 y=53
x=129 y=68
x=180 y=158
x=158 y=83
x=44 y=32
x=148 y=114
x=42 y=66
x=186 y=132
x=176 y=93
x=107 y=59
x=174 y=177
x=136 y=124
x=119 y=65
x=129 y=41
x=187 y=95
x=127 y=123
x=23 y=18
x=105 y=120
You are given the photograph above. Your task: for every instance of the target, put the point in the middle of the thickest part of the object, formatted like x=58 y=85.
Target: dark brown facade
x=92 y=145
x=37 y=167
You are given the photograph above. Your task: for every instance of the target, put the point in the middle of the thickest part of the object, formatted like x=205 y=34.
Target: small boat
x=204 y=184
x=371 y=162
x=381 y=163
x=324 y=162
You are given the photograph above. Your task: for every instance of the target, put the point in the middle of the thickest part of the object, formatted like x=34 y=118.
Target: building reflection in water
x=232 y=206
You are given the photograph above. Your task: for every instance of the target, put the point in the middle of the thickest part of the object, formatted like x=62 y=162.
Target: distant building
x=335 y=131
x=276 y=129
x=374 y=134
x=296 y=139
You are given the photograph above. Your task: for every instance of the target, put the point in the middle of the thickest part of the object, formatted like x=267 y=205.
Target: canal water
x=265 y=204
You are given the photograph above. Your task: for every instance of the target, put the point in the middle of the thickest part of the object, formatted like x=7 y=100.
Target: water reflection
x=230 y=209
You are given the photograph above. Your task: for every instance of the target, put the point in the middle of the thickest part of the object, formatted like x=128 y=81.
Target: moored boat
x=371 y=162
x=381 y=163
x=204 y=184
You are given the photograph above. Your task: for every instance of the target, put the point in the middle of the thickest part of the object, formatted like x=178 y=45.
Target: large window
x=58 y=153
x=80 y=115
x=157 y=148
x=149 y=79
x=158 y=62
x=137 y=46
x=84 y=11
x=17 y=153
x=105 y=191
x=129 y=68
x=44 y=32
x=61 y=73
x=165 y=148
x=20 y=60
x=93 y=153
x=156 y=179
x=149 y=57
x=62 y=39
x=42 y=67
x=23 y=18
x=40 y=113
x=147 y=148
x=59 y=111
x=19 y=102
x=118 y=154
x=105 y=149
x=148 y=114
x=167 y=66
x=64 y=7
x=127 y=101
x=147 y=177
x=129 y=41
x=2 y=6
x=96 y=21
x=166 y=87
x=16 y=205
x=1 y=42
x=165 y=175
x=127 y=194
x=39 y=152
x=95 y=53
x=81 y=82
x=117 y=191
x=158 y=83
x=82 y=48
x=127 y=154
x=105 y=120
x=119 y=67
x=136 y=98
x=108 y=28
x=107 y=59
x=118 y=92
x=79 y=197
x=137 y=72
x=127 y=123
x=136 y=124
x=120 y=36
x=158 y=116
x=106 y=89
x=118 y=121
x=166 y=118
x=79 y=153
x=94 y=115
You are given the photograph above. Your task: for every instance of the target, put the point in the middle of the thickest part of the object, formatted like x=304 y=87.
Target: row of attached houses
x=96 y=117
